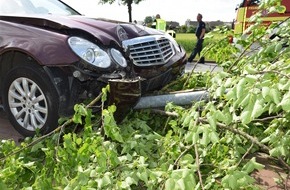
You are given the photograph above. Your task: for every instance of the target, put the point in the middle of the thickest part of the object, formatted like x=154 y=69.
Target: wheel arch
x=57 y=76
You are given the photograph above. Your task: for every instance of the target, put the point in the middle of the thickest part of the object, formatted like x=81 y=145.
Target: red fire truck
x=247 y=8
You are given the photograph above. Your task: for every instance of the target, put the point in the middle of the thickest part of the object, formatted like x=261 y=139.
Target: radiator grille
x=148 y=51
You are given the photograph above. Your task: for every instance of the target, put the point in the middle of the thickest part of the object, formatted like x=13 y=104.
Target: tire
x=30 y=100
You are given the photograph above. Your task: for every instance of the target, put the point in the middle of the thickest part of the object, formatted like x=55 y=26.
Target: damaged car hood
x=103 y=29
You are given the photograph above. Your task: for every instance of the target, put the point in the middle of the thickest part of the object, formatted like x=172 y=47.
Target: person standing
x=200 y=32
x=159 y=23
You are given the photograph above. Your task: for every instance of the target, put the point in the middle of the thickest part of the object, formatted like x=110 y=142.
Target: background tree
x=183 y=29
x=148 y=20
x=191 y=29
x=123 y=2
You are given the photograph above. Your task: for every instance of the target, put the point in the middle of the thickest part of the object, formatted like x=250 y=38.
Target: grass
x=188 y=41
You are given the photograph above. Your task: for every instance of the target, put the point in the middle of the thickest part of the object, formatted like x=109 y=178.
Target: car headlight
x=89 y=52
x=118 y=57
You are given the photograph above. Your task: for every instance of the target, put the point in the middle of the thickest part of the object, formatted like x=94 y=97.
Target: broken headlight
x=118 y=57
x=89 y=52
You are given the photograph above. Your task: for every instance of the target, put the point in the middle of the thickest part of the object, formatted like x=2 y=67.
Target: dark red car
x=51 y=56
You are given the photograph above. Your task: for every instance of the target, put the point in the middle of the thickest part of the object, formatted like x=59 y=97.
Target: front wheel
x=30 y=100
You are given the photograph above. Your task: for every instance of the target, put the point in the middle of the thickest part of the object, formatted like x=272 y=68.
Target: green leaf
x=79 y=141
x=36 y=147
x=170 y=184
x=187 y=159
x=250 y=69
x=205 y=137
x=258 y=108
x=246 y=100
x=275 y=95
x=106 y=180
x=229 y=181
x=266 y=93
x=275 y=152
x=271 y=48
x=220 y=91
x=189 y=137
x=93 y=173
x=219 y=115
x=183 y=178
x=104 y=93
x=251 y=79
x=278 y=47
x=252 y=165
x=231 y=94
x=3 y=186
x=187 y=120
x=241 y=86
x=266 y=140
x=211 y=120
x=285 y=103
x=273 y=108
x=281 y=9
x=129 y=181
x=214 y=137
x=77 y=118
x=279 y=151
x=247 y=113
x=143 y=175
x=284 y=85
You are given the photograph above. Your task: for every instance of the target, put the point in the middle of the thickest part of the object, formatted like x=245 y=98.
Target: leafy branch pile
x=206 y=145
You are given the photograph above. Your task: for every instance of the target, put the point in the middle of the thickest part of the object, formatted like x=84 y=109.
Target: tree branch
x=198 y=166
x=182 y=154
x=59 y=128
x=252 y=139
x=244 y=156
x=166 y=113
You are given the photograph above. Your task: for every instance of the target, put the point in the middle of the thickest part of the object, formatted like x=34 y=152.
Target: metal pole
x=184 y=98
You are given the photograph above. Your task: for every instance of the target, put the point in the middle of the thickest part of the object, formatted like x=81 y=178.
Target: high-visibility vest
x=161 y=24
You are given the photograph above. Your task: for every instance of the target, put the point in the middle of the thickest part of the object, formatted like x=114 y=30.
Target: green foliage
x=205 y=147
x=182 y=29
x=191 y=29
x=148 y=20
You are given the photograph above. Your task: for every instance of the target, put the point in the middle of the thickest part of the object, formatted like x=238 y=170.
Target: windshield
x=24 y=7
x=249 y=3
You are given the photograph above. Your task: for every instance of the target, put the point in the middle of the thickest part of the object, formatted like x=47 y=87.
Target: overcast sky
x=170 y=10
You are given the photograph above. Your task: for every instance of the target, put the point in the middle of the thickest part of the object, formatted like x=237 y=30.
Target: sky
x=170 y=10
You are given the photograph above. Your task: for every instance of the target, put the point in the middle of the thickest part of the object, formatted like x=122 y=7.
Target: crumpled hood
x=106 y=31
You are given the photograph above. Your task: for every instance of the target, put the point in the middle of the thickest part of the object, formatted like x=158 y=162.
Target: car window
x=10 y=6
x=54 y=7
x=255 y=2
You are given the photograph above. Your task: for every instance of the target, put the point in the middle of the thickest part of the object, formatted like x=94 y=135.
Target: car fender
x=45 y=46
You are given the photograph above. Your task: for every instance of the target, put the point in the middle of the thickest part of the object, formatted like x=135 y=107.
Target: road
x=6 y=129
x=8 y=132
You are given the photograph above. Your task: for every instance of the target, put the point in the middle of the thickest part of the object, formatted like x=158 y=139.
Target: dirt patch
x=273 y=176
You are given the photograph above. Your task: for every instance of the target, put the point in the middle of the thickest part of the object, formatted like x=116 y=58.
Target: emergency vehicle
x=247 y=8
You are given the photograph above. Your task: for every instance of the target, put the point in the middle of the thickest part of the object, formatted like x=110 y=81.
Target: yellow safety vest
x=161 y=25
